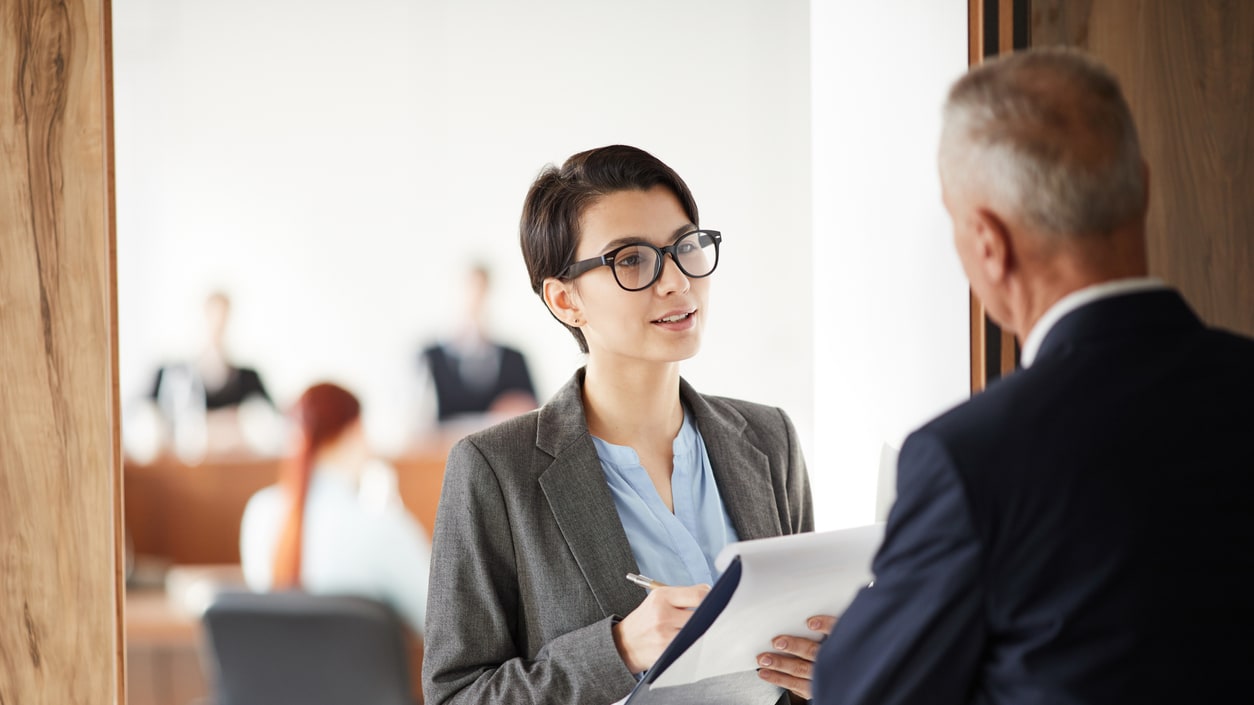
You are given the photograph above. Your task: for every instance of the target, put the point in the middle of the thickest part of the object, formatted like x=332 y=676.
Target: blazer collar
x=741 y=471
x=1137 y=315
x=580 y=500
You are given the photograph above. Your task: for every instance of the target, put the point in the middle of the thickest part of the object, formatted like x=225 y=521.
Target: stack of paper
x=768 y=587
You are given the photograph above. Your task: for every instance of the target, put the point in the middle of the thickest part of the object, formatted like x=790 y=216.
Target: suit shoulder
x=1002 y=403
x=1227 y=342
x=249 y=373
x=505 y=438
x=758 y=416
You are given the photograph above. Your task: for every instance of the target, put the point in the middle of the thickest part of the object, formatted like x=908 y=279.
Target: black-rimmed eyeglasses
x=638 y=265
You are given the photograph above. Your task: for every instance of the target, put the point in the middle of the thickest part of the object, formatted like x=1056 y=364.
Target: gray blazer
x=529 y=556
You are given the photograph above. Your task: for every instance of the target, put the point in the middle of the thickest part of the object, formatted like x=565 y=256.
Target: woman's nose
x=671 y=278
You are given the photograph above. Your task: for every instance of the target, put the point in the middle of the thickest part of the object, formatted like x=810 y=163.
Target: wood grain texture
x=115 y=394
x=1188 y=72
x=979 y=358
x=58 y=479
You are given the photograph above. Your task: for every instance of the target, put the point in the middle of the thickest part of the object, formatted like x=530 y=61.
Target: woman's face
x=661 y=323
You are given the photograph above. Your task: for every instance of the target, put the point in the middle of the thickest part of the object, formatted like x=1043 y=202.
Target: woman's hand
x=791 y=666
x=645 y=633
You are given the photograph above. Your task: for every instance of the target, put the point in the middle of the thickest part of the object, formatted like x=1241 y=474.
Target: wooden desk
x=179 y=514
x=190 y=514
x=164 y=661
x=167 y=658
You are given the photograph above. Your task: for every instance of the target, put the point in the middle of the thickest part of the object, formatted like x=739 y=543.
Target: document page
x=783 y=581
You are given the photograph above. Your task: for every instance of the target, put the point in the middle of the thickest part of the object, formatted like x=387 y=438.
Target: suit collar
x=584 y=510
x=561 y=421
x=581 y=502
x=1126 y=316
x=1076 y=299
x=741 y=471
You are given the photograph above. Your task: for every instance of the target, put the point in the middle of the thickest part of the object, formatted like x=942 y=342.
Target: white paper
x=784 y=581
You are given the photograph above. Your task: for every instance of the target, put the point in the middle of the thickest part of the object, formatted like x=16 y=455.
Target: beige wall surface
x=59 y=638
x=1188 y=71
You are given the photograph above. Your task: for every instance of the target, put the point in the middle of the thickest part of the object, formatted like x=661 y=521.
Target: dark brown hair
x=549 y=230
x=321 y=414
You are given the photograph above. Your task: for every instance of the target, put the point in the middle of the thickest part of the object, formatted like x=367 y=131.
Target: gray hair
x=1046 y=135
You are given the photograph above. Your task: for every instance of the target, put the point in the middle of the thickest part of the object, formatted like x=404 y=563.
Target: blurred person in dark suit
x=471 y=378
x=1083 y=530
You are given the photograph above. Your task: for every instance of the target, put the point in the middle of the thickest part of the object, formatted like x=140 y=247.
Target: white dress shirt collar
x=1076 y=299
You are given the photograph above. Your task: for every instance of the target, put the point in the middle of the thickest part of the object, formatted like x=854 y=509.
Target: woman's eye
x=686 y=248
x=627 y=261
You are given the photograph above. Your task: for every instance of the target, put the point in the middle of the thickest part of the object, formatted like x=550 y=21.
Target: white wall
x=334 y=165
x=890 y=313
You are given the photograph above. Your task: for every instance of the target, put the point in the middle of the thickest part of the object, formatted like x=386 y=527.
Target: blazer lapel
x=580 y=500
x=741 y=470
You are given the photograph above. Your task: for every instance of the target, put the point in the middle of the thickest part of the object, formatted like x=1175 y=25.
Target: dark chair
x=293 y=648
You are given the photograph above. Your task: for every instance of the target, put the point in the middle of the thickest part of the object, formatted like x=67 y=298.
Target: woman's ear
x=562 y=301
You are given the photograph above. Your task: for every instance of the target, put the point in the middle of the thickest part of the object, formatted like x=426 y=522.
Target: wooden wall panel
x=1188 y=71
x=59 y=476
x=994 y=27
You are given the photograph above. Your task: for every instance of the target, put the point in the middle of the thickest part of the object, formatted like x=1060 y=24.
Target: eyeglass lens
x=638 y=266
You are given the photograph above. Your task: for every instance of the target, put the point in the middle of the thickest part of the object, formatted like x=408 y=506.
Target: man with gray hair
x=1083 y=530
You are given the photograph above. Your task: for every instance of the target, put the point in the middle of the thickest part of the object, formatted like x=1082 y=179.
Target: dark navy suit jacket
x=1080 y=532
x=456 y=396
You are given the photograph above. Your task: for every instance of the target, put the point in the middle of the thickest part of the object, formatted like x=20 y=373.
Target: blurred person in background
x=471 y=380
x=206 y=405
x=334 y=524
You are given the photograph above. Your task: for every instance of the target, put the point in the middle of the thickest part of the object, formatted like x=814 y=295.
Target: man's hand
x=791 y=665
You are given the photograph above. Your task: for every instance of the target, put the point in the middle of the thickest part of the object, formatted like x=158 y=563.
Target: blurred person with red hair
x=320 y=528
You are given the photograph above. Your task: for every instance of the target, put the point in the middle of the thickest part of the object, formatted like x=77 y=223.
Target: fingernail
x=765 y=660
x=815 y=624
x=781 y=643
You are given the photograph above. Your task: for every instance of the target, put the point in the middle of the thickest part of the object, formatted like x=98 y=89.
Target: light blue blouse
x=675 y=548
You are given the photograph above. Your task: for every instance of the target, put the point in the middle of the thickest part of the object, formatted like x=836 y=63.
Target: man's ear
x=562 y=302
x=994 y=248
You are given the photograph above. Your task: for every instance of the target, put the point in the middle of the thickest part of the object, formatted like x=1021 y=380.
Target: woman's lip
x=688 y=322
x=686 y=313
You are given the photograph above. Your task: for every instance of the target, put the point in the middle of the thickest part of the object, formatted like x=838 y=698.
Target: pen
x=646 y=583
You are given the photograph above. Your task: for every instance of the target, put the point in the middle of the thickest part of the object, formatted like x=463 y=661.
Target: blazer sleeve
x=473 y=609
x=916 y=634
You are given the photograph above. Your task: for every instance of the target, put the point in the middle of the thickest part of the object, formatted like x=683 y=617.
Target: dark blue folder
x=732 y=689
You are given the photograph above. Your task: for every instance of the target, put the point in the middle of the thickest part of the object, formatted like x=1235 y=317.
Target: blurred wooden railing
x=190 y=514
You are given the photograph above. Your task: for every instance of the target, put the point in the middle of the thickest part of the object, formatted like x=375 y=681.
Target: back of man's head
x=1045 y=137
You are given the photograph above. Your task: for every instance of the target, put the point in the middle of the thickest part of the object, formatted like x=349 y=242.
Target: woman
x=322 y=529
x=627 y=469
